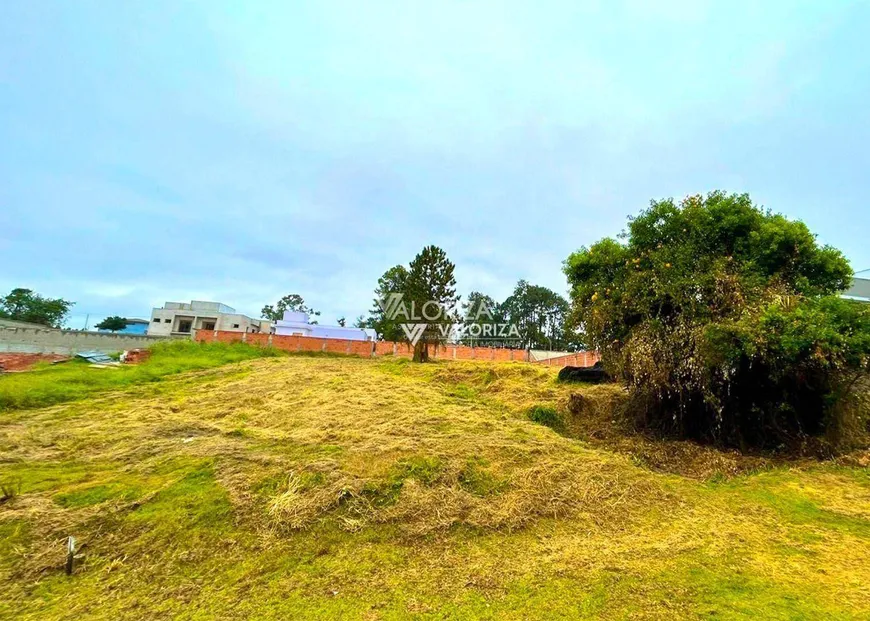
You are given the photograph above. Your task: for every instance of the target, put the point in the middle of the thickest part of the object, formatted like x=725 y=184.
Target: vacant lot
x=304 y=487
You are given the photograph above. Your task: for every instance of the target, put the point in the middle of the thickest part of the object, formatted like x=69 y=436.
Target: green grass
x=477 y=480
x=74 y=380
x=547 y=416
x=782 y=492
x=95 y=495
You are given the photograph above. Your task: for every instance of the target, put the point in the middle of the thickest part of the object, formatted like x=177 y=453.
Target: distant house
x=296 y=324
x=180 y=318
x=134 y=326
x=860 y=289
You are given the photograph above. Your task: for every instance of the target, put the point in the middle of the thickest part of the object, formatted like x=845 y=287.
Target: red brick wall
x=387 y=348
x=580 y=359
x=257 y=339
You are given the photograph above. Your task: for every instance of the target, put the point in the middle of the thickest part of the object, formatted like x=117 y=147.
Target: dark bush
x=592 y=375
x=723 y=321
x=546 y=416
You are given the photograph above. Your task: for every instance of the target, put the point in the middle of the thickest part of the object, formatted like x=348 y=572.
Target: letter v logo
x=390 y=304
x=413 y=331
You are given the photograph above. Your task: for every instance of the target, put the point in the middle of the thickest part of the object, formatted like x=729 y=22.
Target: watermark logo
x=390 y=304
x=476 y=322
x=413 y=331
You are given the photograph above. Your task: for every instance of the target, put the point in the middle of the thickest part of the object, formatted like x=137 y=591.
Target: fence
x=387 y=348
x=14 y=339
x=578 y=359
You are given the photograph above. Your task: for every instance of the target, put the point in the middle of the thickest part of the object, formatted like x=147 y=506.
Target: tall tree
x=481 y=318
x=431 y=284
x=25 y=305
x=393 y=281
x=113 y=323
x=292 y=302
x=341 y=321
x=539 y=315
x=427 y=293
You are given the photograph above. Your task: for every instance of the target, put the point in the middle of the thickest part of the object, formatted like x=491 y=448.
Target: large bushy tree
x=113 y=323
x=723 y=320
x=26 y=305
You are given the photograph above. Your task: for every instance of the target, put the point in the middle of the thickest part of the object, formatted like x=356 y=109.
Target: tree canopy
x=723 y=320
x=388 y=328
x=25 y=305
x=539 y=314
x=482 y=317
x=113 y=323
x=291 y=302
x=428 y=281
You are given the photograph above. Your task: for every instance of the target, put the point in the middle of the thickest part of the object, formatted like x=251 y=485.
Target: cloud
x=240 y=152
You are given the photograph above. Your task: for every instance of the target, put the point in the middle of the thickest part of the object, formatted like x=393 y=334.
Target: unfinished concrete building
x=180 y=318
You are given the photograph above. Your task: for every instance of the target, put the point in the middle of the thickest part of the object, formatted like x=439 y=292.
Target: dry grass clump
x=410 y=445
x=299 y=504
x=469 y=496
x=547 y=490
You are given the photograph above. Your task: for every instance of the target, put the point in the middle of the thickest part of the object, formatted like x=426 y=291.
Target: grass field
x=76 y=379
x=306 y=487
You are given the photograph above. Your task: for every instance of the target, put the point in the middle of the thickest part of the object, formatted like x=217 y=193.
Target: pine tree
x=431 y=282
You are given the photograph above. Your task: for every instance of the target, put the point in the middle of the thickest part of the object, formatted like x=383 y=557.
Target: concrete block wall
x=387 y=348
x=53 y=341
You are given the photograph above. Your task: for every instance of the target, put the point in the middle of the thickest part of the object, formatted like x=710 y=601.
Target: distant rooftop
x=199 y=305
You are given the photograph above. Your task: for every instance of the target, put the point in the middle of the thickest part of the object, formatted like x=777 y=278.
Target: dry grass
x=333 y=487
x=408 y=451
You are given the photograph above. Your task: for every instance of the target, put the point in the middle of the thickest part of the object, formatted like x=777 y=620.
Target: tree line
x=532 y=317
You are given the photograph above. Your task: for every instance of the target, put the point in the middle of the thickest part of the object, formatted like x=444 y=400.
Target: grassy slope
x=76 y=379
x=313 y=488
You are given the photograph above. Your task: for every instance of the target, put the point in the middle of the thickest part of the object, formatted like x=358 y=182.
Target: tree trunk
x=421 y=351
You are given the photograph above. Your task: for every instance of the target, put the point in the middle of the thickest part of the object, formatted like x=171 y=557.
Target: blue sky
x=238 y=151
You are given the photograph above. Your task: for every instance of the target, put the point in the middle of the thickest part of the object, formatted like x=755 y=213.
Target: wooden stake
x=70 y=554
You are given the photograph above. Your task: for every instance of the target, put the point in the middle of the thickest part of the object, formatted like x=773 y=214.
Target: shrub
x=722 y=320
x=546 y=416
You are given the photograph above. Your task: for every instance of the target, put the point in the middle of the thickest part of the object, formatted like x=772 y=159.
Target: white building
x=860 y=289
x=178 y=318
x=296 y=324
